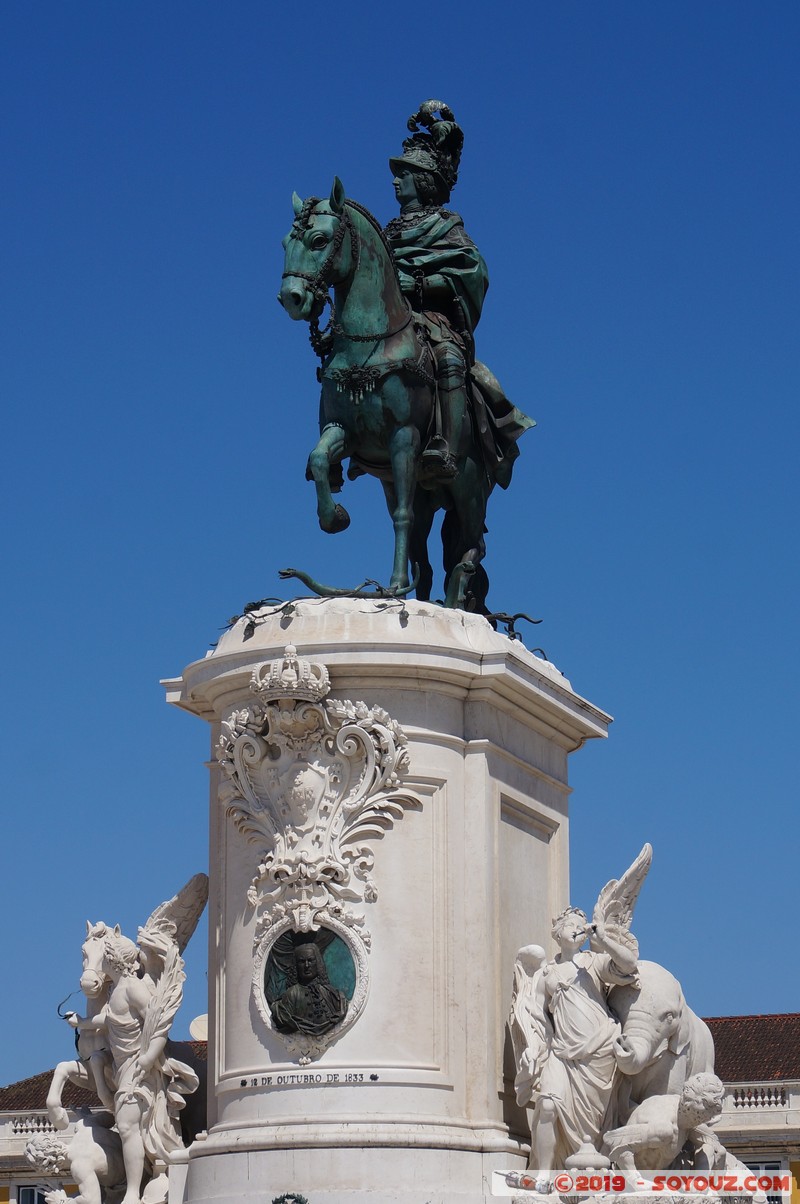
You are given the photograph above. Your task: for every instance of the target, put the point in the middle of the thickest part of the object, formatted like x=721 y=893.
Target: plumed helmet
x=434 y=146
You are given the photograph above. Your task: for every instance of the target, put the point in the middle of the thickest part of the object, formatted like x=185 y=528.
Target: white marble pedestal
x=409 y=1104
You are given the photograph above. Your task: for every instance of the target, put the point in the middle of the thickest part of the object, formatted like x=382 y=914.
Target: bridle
x=320 y=281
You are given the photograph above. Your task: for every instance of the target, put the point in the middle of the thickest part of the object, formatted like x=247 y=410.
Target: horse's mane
x=119 y=950
x=362 y=209
x=310 y=204
x=378 y=228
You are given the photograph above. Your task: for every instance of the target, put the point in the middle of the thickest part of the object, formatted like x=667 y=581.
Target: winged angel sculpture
x=563 y=1030
x=134 y=990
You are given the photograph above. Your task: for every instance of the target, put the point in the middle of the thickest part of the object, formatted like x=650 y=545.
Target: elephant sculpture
x=663 y=1042
x=599 y=1033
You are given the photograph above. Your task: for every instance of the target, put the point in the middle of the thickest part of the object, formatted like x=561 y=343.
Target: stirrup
x=437 y=460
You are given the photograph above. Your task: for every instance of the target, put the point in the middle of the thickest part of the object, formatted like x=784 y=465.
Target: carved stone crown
x=293 y=677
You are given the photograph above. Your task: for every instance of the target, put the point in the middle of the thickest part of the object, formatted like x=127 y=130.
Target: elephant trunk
x=636 y=1048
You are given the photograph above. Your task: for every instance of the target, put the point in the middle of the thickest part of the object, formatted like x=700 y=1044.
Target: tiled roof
x=29 y=1095
x=756 y=1049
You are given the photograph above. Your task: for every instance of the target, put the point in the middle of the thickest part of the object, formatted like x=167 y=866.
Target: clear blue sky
x=630 y=174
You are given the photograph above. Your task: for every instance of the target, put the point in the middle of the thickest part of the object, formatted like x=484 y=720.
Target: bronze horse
x=378 y=393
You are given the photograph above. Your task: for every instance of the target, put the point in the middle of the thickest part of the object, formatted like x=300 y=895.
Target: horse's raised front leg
x=65 y=1072
x=404 y=455
x=331 y=449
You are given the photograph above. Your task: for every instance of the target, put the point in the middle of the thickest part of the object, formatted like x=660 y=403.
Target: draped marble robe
x=580 y=1070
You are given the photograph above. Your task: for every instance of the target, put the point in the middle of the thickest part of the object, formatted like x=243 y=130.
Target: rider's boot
x=437 y=462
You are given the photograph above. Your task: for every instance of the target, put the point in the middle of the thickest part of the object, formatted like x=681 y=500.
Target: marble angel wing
x=527 y=1023
x=613 y=910
x=179 y=916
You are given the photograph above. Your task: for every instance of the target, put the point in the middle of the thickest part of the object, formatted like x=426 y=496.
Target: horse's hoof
x=58 y=1116
x=339 y=522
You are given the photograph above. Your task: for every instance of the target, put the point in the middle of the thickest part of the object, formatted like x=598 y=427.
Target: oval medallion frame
x=311 y=1047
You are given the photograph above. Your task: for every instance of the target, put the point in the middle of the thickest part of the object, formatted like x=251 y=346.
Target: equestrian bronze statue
x=403 y=397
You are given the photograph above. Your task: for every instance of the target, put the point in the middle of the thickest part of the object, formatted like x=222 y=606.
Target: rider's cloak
x=438 y=245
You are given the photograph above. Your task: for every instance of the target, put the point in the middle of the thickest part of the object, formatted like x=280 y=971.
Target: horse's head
x=319 y=255
x=105 y=948
x=94 y=977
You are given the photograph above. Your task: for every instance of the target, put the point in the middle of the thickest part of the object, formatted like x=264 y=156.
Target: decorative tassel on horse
x=357 y=380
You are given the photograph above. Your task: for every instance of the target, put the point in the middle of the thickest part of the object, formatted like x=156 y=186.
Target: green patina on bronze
x=302 y=996
x=403 y=397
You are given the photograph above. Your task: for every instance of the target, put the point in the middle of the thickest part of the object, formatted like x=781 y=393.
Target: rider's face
x=405 y=188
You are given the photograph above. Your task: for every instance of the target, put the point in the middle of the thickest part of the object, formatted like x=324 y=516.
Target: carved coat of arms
x=311 y=778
